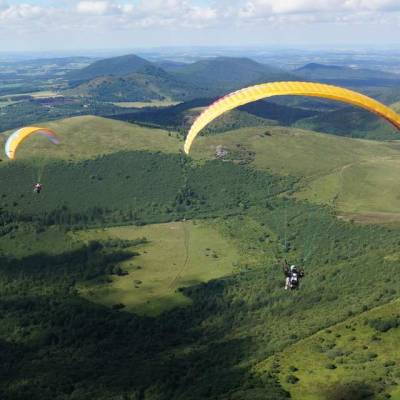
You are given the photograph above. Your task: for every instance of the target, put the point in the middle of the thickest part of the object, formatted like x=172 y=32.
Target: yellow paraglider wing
x=262 y=91
x=14 y=141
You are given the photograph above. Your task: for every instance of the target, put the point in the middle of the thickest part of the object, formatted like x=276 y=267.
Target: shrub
x=383 y=325
x=350 y=391
x=372 y=355
x=330 y=366
x=118 y=306
x=292 y=379
x=389 y=363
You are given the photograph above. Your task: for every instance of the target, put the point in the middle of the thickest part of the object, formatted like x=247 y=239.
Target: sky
x=62 y=25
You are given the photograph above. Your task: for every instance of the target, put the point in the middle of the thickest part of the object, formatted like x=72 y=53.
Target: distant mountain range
x=231 y=73
x=351 y=76
x=132 y=78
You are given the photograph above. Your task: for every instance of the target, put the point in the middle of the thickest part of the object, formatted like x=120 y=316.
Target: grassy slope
x=361 y=187
x=89 y=136
x=294 y=151
x=178 y=254
x=343 y=356
x=143 y=104
x=352 y=173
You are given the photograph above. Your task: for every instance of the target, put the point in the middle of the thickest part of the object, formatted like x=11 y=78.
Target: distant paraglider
x=258 y=92
x=19 y=136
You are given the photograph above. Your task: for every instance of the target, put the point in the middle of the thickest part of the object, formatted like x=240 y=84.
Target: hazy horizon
x=48 y=25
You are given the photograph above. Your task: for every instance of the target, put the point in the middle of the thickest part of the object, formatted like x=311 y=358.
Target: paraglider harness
x=293 y=276
x=37 y=188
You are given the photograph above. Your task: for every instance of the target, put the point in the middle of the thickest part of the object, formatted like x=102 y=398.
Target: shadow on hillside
x=9 y=353
x=350 y=391
x=79 y=350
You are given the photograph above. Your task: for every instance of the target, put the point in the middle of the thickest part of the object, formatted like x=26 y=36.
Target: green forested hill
x=230 y=73
x=89 y=136
x=131 y=78
x=352 y=122
x=128 y=78
x=116 y=66
x=152 y=84
x=334 y=73
x=140 y=273
x=231 y=326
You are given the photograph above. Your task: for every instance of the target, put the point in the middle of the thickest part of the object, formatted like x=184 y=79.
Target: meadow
x=176 y=255
x=354 y=175
x=355 y=359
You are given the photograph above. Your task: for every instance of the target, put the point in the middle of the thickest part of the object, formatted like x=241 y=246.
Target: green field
x=294 y=151
x=178 y=254
x=355 y=175
x=44 y=94
x=363 y=187
x=88 y=136
x=143 y=104
x=346 y=361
